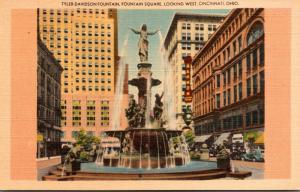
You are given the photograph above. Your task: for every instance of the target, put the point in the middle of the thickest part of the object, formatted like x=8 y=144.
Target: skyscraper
x=186 y=35
x=84 y=41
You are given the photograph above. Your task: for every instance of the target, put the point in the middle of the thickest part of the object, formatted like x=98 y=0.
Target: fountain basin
x=146 y=148
x=144 y=162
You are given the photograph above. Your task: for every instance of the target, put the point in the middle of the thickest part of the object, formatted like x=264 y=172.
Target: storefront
x=200 y=140
x=223 y=137
x=253 y=140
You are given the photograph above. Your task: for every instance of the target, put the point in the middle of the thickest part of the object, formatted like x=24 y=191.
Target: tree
x=189 y=137
x=85 y=140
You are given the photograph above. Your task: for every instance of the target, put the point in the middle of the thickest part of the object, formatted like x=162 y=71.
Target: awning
x=221 y=138
x=237 y=138
x=252 y=135
x=202 y=138
x=110 y=142
x=260 y=139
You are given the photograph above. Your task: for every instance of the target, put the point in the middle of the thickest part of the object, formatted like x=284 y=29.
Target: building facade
x=185 y=37
x=228 y=79
x=85 y=43
x=48 y=106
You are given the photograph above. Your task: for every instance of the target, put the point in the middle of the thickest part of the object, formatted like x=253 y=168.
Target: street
x=256 y=168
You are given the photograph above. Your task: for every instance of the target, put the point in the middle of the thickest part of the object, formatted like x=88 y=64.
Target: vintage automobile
x=256 y=155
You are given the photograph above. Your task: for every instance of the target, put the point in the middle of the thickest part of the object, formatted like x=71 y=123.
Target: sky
x=155 y=19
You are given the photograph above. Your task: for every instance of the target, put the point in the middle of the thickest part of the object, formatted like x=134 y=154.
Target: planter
x=223 y=164
x=73 y=166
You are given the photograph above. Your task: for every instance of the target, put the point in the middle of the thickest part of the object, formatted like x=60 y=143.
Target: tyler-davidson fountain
x=146 y=149
x=145 y=143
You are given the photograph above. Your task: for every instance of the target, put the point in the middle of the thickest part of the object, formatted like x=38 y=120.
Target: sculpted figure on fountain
x=158 y=108
x=135 y=114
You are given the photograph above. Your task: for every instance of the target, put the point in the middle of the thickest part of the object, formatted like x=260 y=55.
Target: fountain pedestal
x=144 y=76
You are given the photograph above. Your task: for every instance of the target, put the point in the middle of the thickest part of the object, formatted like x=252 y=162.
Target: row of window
x=252 y=89
x=89 y=72
x=89 y=88
x=187 y=37
x=251 y=120
x=90 y=80
x=66 y=45
x=83 y=64
x=198 y=26
x=88 y=102
x=66 y=12
x=188 y=46
x=231 y=50
x=66 y=38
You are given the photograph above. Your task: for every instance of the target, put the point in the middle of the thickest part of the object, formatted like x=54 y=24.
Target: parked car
x=255 y=156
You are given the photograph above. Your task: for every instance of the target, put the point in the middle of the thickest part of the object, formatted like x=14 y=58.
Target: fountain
x=145 y=143
x=150 y=147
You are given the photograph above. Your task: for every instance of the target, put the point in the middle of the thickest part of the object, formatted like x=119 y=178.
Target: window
x=248 y=119
x=235 y=71
x=228 y=76
x=218 y=100
x=248 y=60
x=254 y=84
x=228 y=96
x=224 y=56
x=261 y=116
x=235 y=93
x=254 y=57
x=248 y=87
x=262 y=55
x=254 y=117
x=262 y=81
x=209 y=27
x=224 y=78
x=188 y=36
x=255 y=32
x=240 y=91
x=240 y=121
x=240 y=43
x=234 y=48
x=240 y=68
x=228 y=53
x=218 y=80
x=224 y=98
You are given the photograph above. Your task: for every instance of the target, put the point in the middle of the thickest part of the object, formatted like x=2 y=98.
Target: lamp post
x=187 y=117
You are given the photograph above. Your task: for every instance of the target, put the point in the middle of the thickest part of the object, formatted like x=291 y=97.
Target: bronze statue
x=143 y=42
x=135 y=114
x=158 y=108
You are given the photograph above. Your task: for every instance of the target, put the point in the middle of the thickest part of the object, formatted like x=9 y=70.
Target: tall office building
x=228 y=78
x=48 y=103
x=84 y=41
x=186 y=36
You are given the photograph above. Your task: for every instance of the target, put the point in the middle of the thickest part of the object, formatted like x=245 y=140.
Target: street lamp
x=187 y=117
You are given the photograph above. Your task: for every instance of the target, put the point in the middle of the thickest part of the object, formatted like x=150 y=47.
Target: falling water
x=141 y=149
x=119 y=164
x=169 y=91
x=119 y=87
x=166 y=160
x=186 y=151
x=157 y=150
x=148 y=104
x=182 y=154
x=131 y=149
x=149 y=156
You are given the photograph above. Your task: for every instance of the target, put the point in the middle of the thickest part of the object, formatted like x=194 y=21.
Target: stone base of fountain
x=144 y=163
x=146 y=148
